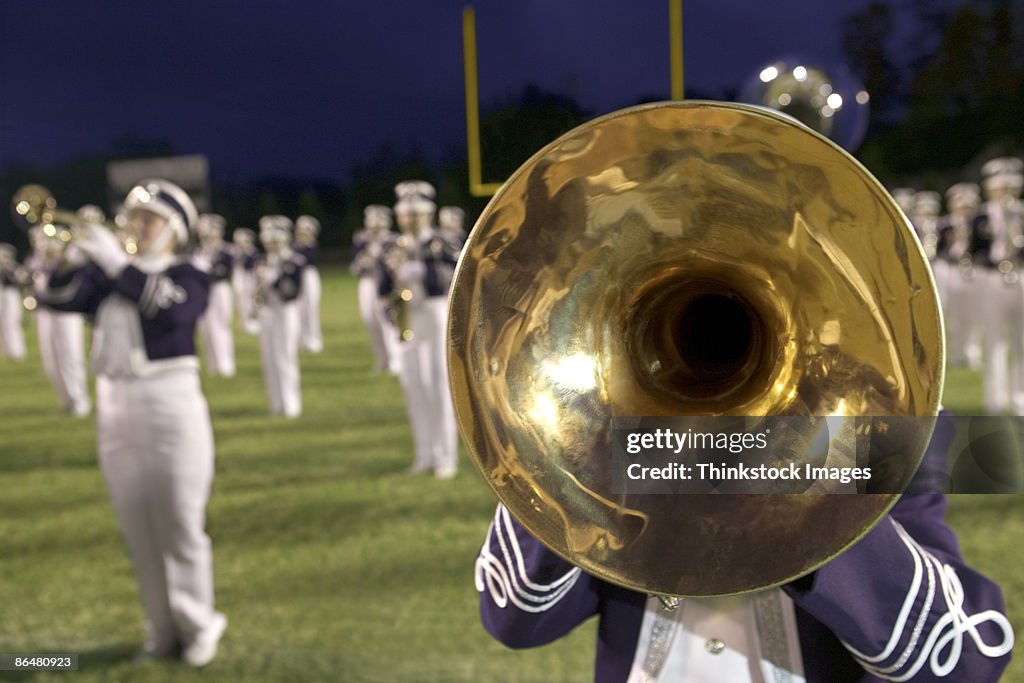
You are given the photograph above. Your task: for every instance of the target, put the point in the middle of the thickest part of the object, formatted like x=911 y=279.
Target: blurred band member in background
x=925 y=219
x=279 y=284
x=41 y=260
x=998 y=230
x=368 y=246
x=215 y=257
x=425 y=271
x=155 y=440
x=11 y=334
x=243 y=277
x=62 y=333
x=453 y=220
x=954 y=276
x=307 y=229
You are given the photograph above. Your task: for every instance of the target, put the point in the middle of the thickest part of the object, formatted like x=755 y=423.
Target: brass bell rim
x=460 y=379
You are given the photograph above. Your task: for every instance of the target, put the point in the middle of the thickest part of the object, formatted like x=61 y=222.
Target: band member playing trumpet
x=421 y=268
x=215 y=257
x=279 y=285
x=155 y=440
x=307 y=228
x=11 y=334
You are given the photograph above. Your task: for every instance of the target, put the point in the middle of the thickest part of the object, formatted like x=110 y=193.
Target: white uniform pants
x=243 y=282
x=62 y=349
x=424 y=379
x=1003 y=311
x=156 y=455
x=216 y=333
x=369 y=311
x=44 y=335
x=11 y=334
x=279 y=347
x=309 y=310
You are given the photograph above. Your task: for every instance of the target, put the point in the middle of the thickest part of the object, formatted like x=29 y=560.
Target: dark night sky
x=307 y=88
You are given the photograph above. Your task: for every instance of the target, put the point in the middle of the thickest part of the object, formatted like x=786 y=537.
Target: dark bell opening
x=714 y=335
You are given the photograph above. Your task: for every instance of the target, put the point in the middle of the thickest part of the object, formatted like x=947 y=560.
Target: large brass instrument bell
x=686 y=258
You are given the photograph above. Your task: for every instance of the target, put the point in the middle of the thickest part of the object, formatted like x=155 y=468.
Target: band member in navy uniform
x=925 y=218
x=998 y=232
x=900 y=604
x=155 y=440
x=243 y=277
x=215 y=257
x=954 y=276
x=307 y=228
x=425 y=271
x=452 y=220
x=279 y=284
x=11 y=333
x=368 y=246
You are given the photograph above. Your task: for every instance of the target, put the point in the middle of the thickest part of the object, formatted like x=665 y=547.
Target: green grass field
x=331 y=563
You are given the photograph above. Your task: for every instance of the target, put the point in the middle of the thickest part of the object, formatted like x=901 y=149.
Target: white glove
x=104 y=250
x=74 y=256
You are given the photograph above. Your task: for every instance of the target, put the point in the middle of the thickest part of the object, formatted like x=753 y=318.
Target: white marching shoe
x=203 y=647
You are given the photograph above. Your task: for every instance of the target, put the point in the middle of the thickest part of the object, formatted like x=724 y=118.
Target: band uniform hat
x=165 y=199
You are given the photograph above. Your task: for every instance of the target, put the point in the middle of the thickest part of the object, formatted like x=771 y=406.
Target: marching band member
x=215 y=257
x=306 y=230
x=924 y=216
x=426 y=272
x=452 y=220
x=900 y=604
x=155 y=440
x=38 y=264
x=11 y=334
x=243 y=277
x=62 y=333
x=368 y=245
x=999 y=236
x=954 y=275
x=279 y=284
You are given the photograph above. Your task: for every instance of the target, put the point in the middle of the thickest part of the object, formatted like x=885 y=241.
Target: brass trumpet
x=35 y=205
x=687 y=259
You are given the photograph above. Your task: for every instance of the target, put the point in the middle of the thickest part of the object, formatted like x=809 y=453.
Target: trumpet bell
x=686 y=259
x=33 y=205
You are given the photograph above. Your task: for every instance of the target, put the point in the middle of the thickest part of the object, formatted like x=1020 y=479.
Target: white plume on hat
x=165 y=199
